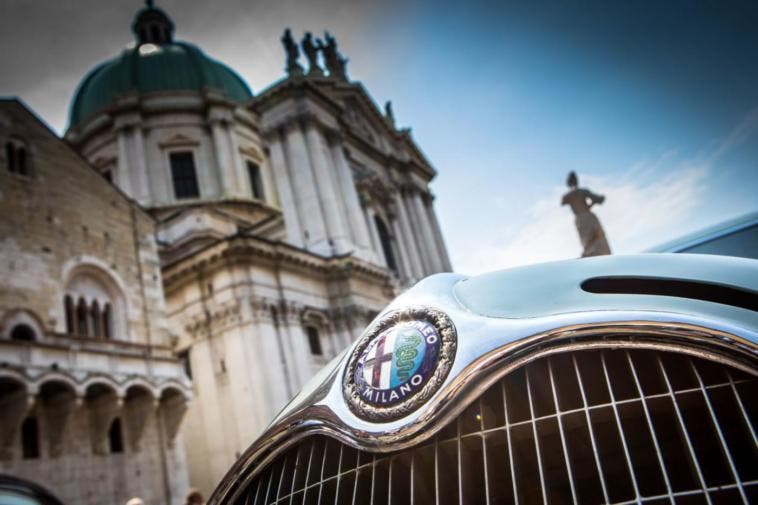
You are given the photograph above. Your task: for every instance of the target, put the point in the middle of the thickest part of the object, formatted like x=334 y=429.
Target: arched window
x=314 y=341
x=81 y=318
x=95 y=319
x=30 y=438
x=95 y=305
x=10 y=157
x=107 y=316
x=23 y=332
x=16 y=160
x=70 y=316
x=386 y=240
x=116 y=437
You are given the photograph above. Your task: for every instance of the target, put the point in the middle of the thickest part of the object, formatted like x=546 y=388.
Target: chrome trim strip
x=470 y=382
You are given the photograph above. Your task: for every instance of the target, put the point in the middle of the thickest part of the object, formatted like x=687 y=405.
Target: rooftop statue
x=590 y=231
x=388 y=113
x=293 y=53
x=335 y=62
x=311 y=49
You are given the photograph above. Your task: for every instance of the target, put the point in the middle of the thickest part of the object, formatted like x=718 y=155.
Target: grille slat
x=611 y=426
x=569 y=470
x=716 y=423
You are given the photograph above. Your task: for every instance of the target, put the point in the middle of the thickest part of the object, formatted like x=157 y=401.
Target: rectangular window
x=183 y=175
x=314 y=342
x=256 y=184
x=184 y=359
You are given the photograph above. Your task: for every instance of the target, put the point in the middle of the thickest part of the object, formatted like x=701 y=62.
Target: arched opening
x=314 y=341
x=81 y=318
x=10 y=157
x=16 y=159
x=95 y=319
x=386 y=241
x=30 y=438
x=23 y=332
x=96 y=304
x=70 y=316
x=107 y=316
x=115 y=437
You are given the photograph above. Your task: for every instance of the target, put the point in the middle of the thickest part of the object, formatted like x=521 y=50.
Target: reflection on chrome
x=601 y=398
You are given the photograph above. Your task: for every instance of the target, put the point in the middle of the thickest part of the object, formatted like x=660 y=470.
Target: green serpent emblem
x=406 y=353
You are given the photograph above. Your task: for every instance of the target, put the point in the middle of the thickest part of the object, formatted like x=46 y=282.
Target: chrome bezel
x=446 y=330
x=477 y=376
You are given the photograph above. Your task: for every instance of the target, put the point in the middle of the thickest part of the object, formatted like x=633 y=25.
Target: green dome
x=173 y=66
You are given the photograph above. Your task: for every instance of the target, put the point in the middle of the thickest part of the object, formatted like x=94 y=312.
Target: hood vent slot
x=656 y=286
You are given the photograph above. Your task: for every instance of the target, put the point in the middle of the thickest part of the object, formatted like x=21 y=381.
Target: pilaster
x=414 y=254
x=304 y=186
x=326 y=183
x=360 y=232
x=284 y=189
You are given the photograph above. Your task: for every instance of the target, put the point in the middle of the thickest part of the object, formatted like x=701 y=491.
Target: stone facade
x=261 y=238
x=92 y=395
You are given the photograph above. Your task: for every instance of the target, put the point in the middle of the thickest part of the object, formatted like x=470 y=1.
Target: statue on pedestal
x=587 y=224
x=311 y=49
x=388 y=113
x=293 y=53
x=335 y=62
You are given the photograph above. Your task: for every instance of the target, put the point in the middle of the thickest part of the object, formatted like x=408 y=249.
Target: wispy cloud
x=650 y=203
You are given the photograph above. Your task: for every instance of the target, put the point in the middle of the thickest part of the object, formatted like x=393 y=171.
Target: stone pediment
x=178 y=140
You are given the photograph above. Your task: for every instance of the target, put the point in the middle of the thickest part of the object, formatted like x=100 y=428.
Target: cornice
x=244 y=250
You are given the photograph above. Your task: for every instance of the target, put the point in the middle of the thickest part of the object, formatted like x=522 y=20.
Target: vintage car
x=617 y=379
x=736 y=237
x=15 y=491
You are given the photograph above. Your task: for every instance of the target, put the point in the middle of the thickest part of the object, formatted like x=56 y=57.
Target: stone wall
x=91 y=397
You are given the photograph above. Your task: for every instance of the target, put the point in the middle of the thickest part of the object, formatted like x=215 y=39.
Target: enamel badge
x=399 y=363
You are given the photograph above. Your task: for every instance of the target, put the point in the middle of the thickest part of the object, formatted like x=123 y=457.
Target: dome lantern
x=152 y=26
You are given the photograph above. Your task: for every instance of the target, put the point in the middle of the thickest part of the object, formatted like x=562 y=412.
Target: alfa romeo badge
x=399 y=363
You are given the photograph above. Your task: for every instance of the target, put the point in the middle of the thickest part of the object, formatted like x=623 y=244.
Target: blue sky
x=654 y=104
x=656 y=108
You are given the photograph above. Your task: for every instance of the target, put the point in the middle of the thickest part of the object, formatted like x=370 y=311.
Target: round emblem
x=399 y=363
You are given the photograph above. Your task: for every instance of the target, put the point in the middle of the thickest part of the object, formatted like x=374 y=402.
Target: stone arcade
x=154 y=319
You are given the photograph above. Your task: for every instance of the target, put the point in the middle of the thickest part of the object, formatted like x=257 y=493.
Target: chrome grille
x=611 y=426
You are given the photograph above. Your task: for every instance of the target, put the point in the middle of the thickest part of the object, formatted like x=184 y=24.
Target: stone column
x=377 y=243
x=416 y=235
x=242 y=187
x=143 y=195
x=225 y=168
x=352 y=203
x=430 y=245
x=336 y=226
x=123 y=177
x=439 y=240
x=402 y=249
x=284 y=190
x=304 y=186
x=269 y=368
x=416 y=269
x=299 y=342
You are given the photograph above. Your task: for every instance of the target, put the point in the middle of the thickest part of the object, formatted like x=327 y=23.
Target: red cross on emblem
x=375 y=364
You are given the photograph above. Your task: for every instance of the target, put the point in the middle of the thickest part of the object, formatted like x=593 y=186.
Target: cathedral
x=177 y=267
